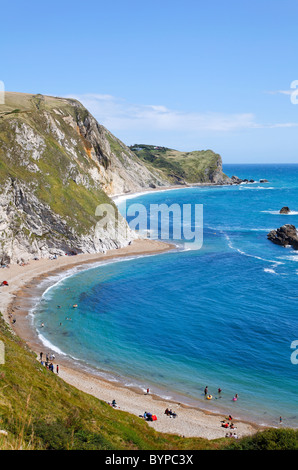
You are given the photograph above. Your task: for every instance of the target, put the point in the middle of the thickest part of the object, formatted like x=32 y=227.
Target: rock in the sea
x=263 y=181
x=285 y=235
x=236 y=180
x=285 y=210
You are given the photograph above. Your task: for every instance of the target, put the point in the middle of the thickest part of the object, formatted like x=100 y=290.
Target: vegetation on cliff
x=202 y=166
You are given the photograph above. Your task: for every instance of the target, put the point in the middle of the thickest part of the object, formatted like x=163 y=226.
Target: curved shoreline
x=15 y=300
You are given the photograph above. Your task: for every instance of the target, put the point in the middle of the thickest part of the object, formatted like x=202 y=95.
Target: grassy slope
x=179 y=167
x=73 y=202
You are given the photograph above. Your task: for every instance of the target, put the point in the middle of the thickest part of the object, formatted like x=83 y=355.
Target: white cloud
x=119 y=115
x=279 y=92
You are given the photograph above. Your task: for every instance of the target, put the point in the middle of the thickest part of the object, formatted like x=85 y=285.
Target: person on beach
x=57 y=369
x=40 y=356
x=147 y=391
x=206 y=390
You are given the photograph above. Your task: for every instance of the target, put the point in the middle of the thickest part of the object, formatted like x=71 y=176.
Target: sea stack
x=284 y=236
x=285 y=210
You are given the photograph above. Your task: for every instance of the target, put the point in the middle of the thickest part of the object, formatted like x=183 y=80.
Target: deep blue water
x=222 y=316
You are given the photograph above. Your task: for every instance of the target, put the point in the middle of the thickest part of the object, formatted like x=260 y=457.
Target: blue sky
x=188 y=75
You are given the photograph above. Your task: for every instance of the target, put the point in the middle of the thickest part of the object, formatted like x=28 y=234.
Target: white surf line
x=118 y=198
x=230 y=244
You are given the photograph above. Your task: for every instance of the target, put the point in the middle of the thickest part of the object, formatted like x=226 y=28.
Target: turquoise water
x=222 y=316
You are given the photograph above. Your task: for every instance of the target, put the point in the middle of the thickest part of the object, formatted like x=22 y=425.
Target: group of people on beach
x=208 y=396
x=227 y=423
x=48 y=363
x=149 y=416
x=170 y=413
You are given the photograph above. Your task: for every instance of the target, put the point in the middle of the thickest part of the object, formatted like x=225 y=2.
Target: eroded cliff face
x=30 y=229
x=119 y=171
x=57 y=164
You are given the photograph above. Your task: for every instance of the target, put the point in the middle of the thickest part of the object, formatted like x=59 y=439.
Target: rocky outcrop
x=236 y=180
x=285 y=210
x=217 y=175
x=30 y=228
x=284 y=236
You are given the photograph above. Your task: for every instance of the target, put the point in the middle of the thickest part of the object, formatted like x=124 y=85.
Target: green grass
x=179 y=167
x=270 y=439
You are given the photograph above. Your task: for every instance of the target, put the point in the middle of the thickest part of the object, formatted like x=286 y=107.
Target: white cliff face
x=29 y=229
x=116 y=168
x=31 y=144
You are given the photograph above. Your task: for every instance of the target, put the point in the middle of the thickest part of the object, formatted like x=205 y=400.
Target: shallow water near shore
x=222 y=316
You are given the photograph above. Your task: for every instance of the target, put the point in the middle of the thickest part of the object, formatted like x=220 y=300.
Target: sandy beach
x=15 y=298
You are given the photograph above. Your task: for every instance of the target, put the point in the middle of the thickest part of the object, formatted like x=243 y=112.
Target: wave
x=241 y=187
x=278 y=213
x=81 y=268
x=239 y=229
x=269 y=270
x=290 y=257
x=230 y=244
x=123 y=197
x=50 y=346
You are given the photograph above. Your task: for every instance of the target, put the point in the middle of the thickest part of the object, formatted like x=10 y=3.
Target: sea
x=222 y=314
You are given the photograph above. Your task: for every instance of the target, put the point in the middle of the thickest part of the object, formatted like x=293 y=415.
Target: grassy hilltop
x=202 y=166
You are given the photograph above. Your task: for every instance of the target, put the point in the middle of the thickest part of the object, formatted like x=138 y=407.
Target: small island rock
x=285 y=210
x=285 y=235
